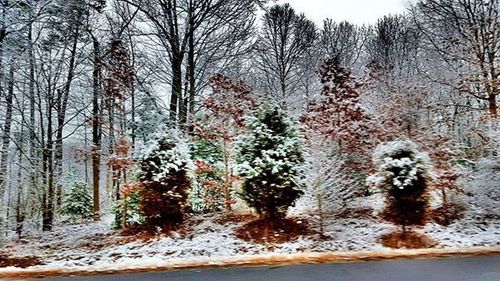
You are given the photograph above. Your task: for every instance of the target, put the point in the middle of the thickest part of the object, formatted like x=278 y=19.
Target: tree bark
x=7 y=127
x=48 y=157
x=191 y=66
x=493 y=107
x=96 y=130
x=176 y=87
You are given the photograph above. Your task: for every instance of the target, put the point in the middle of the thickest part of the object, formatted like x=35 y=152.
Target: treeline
x=83 y=84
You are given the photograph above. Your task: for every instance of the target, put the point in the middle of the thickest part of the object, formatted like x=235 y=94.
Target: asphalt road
x=449 y=269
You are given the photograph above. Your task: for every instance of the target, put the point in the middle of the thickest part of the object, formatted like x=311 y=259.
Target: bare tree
x=284 y=40
x=342 y=40
x=184 y=28
x=466 y=34
x=393 y=46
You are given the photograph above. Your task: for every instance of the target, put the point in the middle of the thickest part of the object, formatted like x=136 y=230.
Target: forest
x=200 y=123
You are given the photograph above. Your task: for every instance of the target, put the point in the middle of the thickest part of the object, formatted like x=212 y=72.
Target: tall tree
x=282 y=43
x=466 y=35
x=343 y=40
x=270 y=159
x=186 y=29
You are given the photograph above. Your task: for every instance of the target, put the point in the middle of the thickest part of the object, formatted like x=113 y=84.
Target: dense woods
x=156 y=110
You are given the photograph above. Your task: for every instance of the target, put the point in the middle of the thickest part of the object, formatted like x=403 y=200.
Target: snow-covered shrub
x=165 y=174
x=77 y=203
x=207 y=194
x=402 y=174
x=270 y=161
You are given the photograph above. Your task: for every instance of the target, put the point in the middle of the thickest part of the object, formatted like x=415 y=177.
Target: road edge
x=246 y=261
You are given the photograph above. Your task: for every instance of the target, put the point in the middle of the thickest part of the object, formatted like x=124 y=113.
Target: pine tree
x=402 y=174
x=270 y=159
x=77 y=203
x=165 y=171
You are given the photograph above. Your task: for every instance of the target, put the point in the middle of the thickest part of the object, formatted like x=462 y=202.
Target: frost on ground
x=357 y=228
x=207 y=237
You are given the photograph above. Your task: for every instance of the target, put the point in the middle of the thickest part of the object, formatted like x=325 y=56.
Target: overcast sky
x=354 y=11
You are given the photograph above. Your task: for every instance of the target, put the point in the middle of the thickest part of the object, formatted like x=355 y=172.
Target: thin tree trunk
x=48 y=203
x=176 y=88
x=192 y=91
x=227 y=178
x=191 y=68
x=96 y=130
x=20 y=213
x=6 y=143
x=33 y=152
x=493 y=106
x=63 y=97
x=7 y=127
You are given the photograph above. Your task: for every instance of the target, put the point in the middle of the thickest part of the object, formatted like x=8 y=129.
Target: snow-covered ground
x=98 y=244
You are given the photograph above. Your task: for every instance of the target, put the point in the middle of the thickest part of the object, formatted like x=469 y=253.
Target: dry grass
x=235 y=218
x=278 y=231
x=356 y=213
x=408 y=240
x=447 y=214
x=22 y=262
x=148 y=232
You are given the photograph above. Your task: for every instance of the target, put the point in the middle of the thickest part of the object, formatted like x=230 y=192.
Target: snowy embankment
x=205 y=239
x=208 y=240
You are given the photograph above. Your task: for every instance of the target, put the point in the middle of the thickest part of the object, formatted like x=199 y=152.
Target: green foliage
x=132 y=204
x=270 y=160
x=150 y=117
x=206 y=195
x=207 y=151
x=77 y=202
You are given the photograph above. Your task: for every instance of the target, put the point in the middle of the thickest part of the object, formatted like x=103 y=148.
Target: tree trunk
x=7 y=127
x=96 y=130
x=493 y=106
x=191 y=69
x=4 y=155
x=32 y=120
x=20 y=213
x=48 y=203
x=176 y=87
x=227 y=178
x=62 y=106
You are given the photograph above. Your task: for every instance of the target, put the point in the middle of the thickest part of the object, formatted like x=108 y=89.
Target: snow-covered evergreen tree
x=270 y=161
x=402 y=174
x=77 y=202
x=165 y=173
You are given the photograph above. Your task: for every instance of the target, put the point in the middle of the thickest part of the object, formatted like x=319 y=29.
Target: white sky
x=354 y=11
